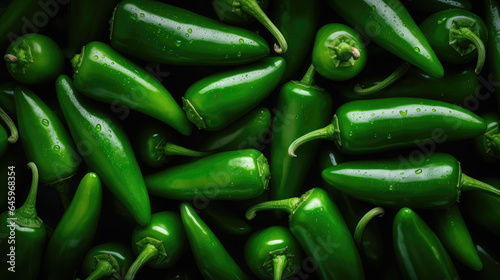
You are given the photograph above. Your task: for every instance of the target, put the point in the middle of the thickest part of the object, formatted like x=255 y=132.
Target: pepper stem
x=149 y=252
x=103 y=269
x=28 y=210
x=493 y=142
x=308 y=78
x=394 y=77
x=14 y=135
x=10 y=58
x=252 y=8
x=327 y=132
x=171 y=149
x=279 y=265
x=470 y=184
x=287 y=205
x=466 y=33
x=358 y=232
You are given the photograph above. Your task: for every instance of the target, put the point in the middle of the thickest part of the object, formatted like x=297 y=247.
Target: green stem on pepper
x=470 y=184
x=148 y=253
x=279 y=265
x=14 y=135
x=394 y=77
x=358 y=232
x=467 y=34
x=102 y=270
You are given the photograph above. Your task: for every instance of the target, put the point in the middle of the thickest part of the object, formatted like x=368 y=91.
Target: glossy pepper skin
x=273 y=253
x=155 y=145
x=303 y=107
x=158 y=244
x=492 y=21
x=377 y=125
x=234 y=175
x=297 y=20
x=107 y=261
x=435 y=181
x=320 y=229
x=162 y=33
x=451 y=229
x=34 y=59
x=103 y=74
x=488 y=144
x=45 y=139
x=218 y=100
x=212 y=259
x=24 y=255
x=484 y=209
x=457 y=36
x=339 y=53
x=75 y=231
x=434 y=6
x=106 y=149
x=249 y=132
x=456 y=86
x=86 y=23
x=419 y=252
x=389 y=24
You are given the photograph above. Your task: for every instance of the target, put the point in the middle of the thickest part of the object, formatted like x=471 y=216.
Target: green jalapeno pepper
x=368 y=126
x=212 y=104
x=457 y=36
x=434 y=6
x=162 y=33
x=212 y=259
x=105 y=148
x=339 y=52
x=249 y=132
x=273 y=253
x=303 y=107
x=419 y=252
x=488 y=144
x=389 y=24
x=434 y=181
x=237 y=11
x=4 y=138
x=234 y=175
x=484 y=209
x=156 y=146
x=103 y=74
x=224 y=220
x=492 y=21
x=7 y=101
x=158 y=244
x=34 y=59
x=75 y=231
x=107 y=261
x=320 y=229
x=451 y=229
x=297 y=20
x=46 y=142
x=22 y=236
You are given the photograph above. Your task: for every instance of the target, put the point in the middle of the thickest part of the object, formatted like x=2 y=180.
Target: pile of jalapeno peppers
x=144 y=139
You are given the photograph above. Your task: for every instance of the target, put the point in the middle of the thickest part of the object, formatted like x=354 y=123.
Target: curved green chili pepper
x=155 y=146
x=457 y=36
x=488 y=144
x=46 y=142
x=451 y=229
x=234 y=175
x=273 y=253
x=339 y=52
x=213 y=261
x=162 y=33
x=159 y=244
x=430 y=182
x=212 y=104
x=34 y=59
x=225 y=220
x=419 y=253
x=492 y=21
x=21 y=256
x=320 y=229
x=484 y=209
x=303 y=107
x=249 y=132
x=14 y=135
x=107 y=261
x=297 y=20
x=103 y=74
x=434 y=6
x=243 y=9
x=7 y=97
x=456 y=86
x=368 y=126
x=75 y=231
x=105 y=148
x=86 y=22
x=389 y=24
